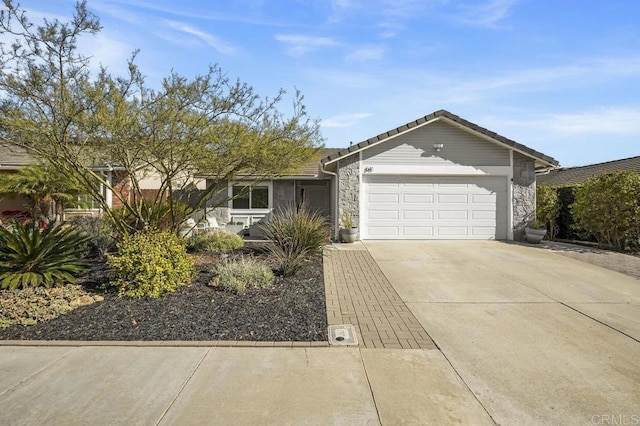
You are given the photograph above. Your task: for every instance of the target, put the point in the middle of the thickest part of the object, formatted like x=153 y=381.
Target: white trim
x=361 y=194
x=108 y=195
x=510 y=198
x=230 y=186
x=397 y=169
x=336 y=204
x=453 y=123
x=383 y=140
x=497 y=142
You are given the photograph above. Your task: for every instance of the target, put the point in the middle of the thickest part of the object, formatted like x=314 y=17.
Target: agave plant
x=31 y=257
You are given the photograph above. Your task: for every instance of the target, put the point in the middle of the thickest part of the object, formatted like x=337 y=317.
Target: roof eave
x=451 y=119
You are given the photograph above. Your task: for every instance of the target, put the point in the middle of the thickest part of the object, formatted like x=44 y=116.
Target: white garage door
x=415 y=207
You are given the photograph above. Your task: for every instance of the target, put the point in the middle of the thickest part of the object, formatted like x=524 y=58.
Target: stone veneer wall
x=524 y=193
x=349 y=187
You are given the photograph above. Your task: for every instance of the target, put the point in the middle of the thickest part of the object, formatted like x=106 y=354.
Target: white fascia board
x=392 y=169
x=301 y=177
x=497 y=142
x=455 y=124
x=510 y=199
x=357 y=151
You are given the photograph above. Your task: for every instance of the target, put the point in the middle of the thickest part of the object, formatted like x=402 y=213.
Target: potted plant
x=536 y=232
x=348 y=232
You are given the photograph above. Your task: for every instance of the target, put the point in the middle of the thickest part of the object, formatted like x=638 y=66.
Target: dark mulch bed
x=293 y=310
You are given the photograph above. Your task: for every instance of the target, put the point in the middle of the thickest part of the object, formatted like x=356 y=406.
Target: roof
x=312 y=167
x=575 y=175
x=442 y=114
x=14 y=157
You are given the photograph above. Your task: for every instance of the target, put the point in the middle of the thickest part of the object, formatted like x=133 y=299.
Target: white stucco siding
x=461 y=149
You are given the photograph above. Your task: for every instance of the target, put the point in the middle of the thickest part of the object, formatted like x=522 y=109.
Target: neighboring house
x=10 y=162
x=439 y=177
x=567 y=176
x=13 y=159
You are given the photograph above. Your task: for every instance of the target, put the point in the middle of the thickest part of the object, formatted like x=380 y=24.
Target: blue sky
x=561 y=76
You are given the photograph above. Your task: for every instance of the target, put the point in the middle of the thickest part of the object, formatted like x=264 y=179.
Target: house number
x=368 y=169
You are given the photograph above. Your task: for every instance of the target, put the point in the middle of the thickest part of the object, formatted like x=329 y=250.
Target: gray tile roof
x=445 y=114
x=14 y=157
x=312 y=168
x=575 y=175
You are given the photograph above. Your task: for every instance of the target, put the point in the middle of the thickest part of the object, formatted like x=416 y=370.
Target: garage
x=439 y=177
x=425 y=207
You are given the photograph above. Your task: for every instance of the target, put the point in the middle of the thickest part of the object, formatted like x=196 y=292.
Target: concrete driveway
x=536 y=336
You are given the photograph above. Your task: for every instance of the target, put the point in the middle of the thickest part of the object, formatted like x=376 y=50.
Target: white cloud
x=390 y=29
x=366 y=54
x=405 y=8
x=345 y=120
x=489 y=14
x=184 y=12
x=299 y=45
x=120 y=13
x=607 y=121
x=106 y=50
x=464 y=88
x=344 y=79
x=209 y=39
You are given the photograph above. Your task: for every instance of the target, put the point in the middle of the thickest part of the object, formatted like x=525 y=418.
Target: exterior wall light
x=438 y=146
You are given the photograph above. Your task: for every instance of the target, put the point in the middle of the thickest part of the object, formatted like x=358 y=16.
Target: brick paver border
x=358 y=293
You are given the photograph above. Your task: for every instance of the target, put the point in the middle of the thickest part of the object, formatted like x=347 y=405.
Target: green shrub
x=215 y=242
x=100 y=233
x=150 y=263
x=608 y=206
x=241 y=274
x=33 y=257
x=33 y=305
x=296 y=234
x=153 y=214
x=547 y=208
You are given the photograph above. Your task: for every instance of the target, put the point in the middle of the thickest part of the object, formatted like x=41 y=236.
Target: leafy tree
x=547 y=207
x=608 y=206
x=183 y=131
x=46 y=190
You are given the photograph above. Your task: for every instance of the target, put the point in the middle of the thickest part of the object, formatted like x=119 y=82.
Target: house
x=13 y=159
x=439 y=177
x=567 y=176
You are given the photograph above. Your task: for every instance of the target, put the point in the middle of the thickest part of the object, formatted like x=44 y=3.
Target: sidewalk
x=172 y=385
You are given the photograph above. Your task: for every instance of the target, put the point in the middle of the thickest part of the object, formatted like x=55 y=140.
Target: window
x=84 y=202
x=250 y=198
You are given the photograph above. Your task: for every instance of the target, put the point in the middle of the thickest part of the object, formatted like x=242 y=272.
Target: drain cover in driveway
x=343 y=334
